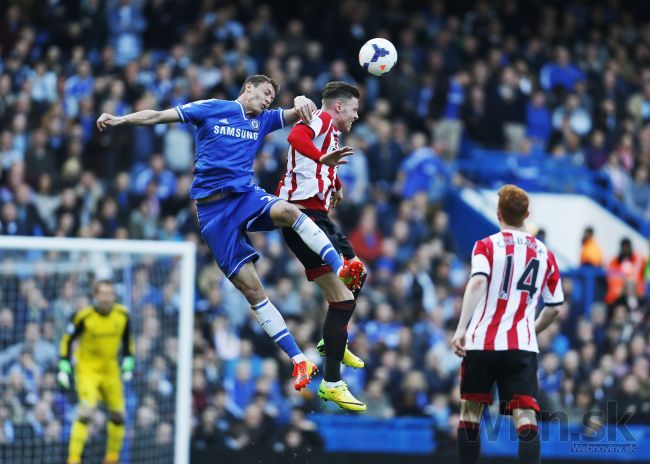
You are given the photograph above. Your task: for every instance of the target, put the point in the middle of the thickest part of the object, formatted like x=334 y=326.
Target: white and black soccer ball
x=377 y=56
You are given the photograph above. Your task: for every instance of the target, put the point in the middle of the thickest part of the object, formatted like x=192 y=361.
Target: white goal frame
x=187 y=252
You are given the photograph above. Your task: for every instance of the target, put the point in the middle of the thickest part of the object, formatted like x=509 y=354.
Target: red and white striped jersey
x=306 y=181
x=519 y=269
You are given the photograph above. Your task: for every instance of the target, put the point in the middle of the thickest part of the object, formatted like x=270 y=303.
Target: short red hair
x=513 y=205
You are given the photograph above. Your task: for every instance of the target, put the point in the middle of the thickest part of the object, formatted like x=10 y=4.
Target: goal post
x=58 y=260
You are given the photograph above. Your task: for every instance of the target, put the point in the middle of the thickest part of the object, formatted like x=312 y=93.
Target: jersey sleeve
x=301 y=138
x=73 y=330
x=197 y=112
x=272 y=120
x=552 y=291
x=128 y=345
x=482 y=258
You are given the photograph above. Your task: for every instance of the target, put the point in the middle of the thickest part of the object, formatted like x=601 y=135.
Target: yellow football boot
x=349 y=358
x=341 y=396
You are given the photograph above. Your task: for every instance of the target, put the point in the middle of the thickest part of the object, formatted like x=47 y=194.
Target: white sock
x=317 y=241
x=332 y=384
x=269 y=317
x=297 y=359
x=273 y=324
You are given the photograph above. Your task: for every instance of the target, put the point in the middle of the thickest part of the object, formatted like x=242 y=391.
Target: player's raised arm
x=303 y=108
x=301 y=138
x=140 y=118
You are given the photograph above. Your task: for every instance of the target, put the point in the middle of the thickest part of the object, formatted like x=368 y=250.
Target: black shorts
x=314 y=265
x=514 y=371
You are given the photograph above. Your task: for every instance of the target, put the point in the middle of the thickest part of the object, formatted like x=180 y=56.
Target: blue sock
x=288 y=344
x=317 y=241
x=273 y=324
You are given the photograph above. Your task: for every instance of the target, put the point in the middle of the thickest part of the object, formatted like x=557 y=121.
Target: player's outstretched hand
x=305 y=107
x=335 y=158
x=458 y=343
x=107 y=120
x=63 y=376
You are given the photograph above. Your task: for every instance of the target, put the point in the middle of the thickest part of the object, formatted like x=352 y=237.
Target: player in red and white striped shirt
x=310 y=181
x=510 y=271
x=311 y=184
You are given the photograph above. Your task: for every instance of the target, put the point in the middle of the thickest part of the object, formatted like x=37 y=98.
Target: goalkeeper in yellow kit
x=101 y=329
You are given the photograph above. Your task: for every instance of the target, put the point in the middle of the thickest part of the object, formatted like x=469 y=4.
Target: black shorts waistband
x=317 y=213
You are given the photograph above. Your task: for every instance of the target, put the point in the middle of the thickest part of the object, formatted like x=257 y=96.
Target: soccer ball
x=377 y=56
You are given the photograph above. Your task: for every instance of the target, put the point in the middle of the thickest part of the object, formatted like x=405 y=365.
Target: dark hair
x=337 y=89
x=257 y=79
x=627 y=253
x=513 y=205
x=101 y=282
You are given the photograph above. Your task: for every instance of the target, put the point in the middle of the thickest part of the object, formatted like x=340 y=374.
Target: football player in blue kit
x=228 y=135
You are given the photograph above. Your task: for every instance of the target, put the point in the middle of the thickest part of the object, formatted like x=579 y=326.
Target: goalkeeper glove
x=63 y=376
x=128 y=364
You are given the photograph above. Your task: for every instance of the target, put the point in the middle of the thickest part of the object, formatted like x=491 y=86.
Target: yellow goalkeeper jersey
x=100 y=337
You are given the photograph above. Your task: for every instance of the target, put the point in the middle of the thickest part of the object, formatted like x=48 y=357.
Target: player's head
x=104 y=295
x=257 y=93
x=341 y=100
x=513 y=206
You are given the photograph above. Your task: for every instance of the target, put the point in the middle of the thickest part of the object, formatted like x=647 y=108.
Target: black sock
x=335 y=334
x=468 y=442
x=529 y=448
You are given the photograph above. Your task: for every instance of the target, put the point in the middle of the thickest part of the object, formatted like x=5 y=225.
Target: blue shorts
x=224 y=224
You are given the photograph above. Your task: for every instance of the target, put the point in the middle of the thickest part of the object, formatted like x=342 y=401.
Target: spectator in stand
x=507 y=102
x=78 y=87
x=476 y=120
x=156 y=172
x=354 y=174
x=590 y=254
x=561 y=72
x=572 y=116
x=377 y=402
x=637 y=194
x=448 y=130
x=596 y=154
x=39 y=158
x=422 y=171
x=639 y=104
x=126 y=24
x=538 y=120
x=384 y=156
x=8 y=153
x=366 y=238
x=627 y=266
x=8 y=330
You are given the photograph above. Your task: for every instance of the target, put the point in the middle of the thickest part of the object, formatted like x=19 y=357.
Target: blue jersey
x=226 y=144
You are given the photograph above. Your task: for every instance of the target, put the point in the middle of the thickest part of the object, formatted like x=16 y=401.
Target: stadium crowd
x=568 y=78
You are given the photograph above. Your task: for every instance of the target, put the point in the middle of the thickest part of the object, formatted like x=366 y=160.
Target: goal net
x=43 y=281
